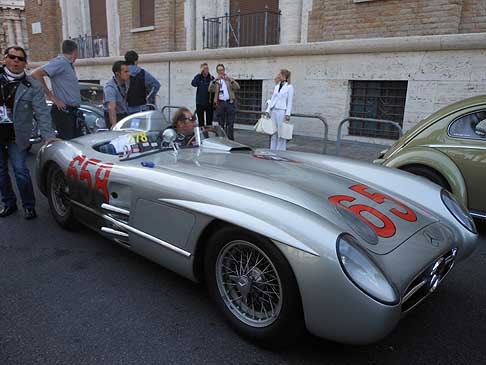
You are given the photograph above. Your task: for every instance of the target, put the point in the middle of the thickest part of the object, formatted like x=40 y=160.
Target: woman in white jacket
x=280 y=107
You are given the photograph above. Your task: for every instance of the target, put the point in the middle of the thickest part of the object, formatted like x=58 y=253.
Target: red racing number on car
x=78 y=170
x=387 y=228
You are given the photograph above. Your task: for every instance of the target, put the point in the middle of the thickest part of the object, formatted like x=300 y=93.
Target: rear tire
x=429 y=174
x=254 y=286
x=59 y=201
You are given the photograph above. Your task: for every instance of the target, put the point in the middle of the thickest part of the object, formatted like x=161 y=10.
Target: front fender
x=244 y=220
x=436 y=160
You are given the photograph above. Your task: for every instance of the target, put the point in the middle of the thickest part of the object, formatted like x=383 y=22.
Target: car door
x=466 y=146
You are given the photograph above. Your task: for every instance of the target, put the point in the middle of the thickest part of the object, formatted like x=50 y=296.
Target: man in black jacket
x=203 y=99
x=20 y=97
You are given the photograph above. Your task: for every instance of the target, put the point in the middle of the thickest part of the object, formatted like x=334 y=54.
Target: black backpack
x=137 y=94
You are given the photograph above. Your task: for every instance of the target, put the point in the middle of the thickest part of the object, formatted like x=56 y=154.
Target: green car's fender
x=434 y=160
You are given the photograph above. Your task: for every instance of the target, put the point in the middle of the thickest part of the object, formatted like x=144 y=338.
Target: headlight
x=458 y=211
x=363 y=272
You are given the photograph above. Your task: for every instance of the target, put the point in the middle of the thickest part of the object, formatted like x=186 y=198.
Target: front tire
x=59 y=201
x=253 y=285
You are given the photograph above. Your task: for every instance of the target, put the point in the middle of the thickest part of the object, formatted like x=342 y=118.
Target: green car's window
x=466 y=126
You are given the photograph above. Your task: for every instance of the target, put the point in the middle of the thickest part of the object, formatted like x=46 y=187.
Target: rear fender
x=435 y=160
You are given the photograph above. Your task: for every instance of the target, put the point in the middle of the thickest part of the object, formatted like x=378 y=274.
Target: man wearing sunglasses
x=184 y=123
x=20 y=97
x=65 y=93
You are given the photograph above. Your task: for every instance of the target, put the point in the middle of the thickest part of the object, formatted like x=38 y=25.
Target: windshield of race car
x=134 y=143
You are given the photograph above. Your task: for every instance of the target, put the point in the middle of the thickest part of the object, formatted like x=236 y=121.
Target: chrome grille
x=428 y=281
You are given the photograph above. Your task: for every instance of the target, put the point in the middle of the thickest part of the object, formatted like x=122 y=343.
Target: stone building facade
x=385 y=59
x=12 y=24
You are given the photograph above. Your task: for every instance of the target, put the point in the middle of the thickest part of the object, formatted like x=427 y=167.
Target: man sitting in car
x=184 y=123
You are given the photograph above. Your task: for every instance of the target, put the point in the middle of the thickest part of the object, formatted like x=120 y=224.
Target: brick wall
x=344 y=19
x=169 y=32
x=47 y=44
x=473 y=18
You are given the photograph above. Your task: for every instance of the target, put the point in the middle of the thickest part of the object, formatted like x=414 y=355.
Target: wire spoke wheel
x=60 y=194
x=249 y=283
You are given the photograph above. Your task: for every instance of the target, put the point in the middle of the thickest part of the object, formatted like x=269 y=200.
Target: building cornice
x=453 y=42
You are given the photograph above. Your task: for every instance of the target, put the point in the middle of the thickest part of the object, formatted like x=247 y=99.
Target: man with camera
x=224 y=88
x=20 y=97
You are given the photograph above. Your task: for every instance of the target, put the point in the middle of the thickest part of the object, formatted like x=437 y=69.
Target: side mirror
x=480 y=128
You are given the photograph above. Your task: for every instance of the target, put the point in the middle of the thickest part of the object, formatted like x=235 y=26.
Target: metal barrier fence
x=312 y=116
x=242 y=30
x=351 y=119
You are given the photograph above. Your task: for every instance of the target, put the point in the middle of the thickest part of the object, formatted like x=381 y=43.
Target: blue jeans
x=22 y=176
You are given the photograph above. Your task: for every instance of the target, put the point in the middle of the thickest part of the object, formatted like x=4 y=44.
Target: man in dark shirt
x=203 y=99
x=20 y=97
x=143 y=86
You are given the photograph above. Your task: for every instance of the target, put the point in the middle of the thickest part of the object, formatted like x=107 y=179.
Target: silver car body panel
x=166 y=210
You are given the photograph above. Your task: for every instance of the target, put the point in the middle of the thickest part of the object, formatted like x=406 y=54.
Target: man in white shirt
x=224 y=88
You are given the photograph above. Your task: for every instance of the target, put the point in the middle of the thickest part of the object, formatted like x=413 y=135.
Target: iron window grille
x=242 y=30
x=249 y=97
x=377 y=100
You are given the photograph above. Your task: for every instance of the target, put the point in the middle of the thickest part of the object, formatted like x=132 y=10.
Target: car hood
x=301 y=183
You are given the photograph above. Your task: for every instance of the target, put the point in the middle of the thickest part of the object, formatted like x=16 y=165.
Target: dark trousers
x=17 y=158
x=225 y=115
x=65 y=122
x=200 y=110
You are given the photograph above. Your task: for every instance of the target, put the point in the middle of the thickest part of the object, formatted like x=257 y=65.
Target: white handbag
x=266 y=125
x=286 y=130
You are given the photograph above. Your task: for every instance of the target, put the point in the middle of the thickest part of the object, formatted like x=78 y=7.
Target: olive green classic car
x=448 y=148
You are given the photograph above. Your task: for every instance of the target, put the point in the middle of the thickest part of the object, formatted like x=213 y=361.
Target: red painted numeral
x=102 y=182
x=379 y=198
x=387 y=230
x=85 y=174
x=71 y=171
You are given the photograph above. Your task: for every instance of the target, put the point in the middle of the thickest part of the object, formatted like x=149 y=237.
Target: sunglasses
x=192 y=118
x=13 y=57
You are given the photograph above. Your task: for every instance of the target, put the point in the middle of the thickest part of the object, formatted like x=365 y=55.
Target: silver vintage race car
x=284 y=241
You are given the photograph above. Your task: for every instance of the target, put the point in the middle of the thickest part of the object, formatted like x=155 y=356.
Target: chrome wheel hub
x=249 y=283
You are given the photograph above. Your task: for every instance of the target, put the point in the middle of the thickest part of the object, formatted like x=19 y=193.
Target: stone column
x=209 y=9
x=304 y=30
x=290 y=21
x=18 y=33
x=85 y=17
x=10 y=32
x=190 y=24
x=113 y=25
x=75 y=18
